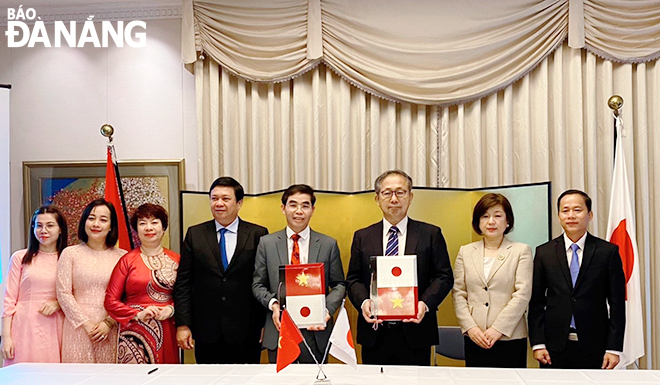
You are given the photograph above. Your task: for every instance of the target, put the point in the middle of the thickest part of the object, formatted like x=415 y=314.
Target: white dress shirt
x=231 y=237
x=303 y=244
x=569 y=251
x=403 y=229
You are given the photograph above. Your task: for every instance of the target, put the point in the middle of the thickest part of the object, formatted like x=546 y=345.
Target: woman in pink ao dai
x=31 y=318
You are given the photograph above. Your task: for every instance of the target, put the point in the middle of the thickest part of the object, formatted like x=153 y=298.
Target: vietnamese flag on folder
x=288 y=347
x=304 y=290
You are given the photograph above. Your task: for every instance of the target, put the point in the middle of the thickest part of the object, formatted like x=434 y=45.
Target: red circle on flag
x=305 y=311
x=396 y=271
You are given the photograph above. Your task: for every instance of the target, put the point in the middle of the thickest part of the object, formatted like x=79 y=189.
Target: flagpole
x=631 y=347
x=615 y=102
x=107 y=131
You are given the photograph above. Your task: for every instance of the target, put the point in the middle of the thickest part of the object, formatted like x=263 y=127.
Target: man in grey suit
x=297 y=243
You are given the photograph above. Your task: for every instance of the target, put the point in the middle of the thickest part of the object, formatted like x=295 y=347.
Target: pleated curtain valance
x=418 y=51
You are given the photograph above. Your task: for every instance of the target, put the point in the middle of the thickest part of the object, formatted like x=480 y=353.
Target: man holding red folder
x=297 y=244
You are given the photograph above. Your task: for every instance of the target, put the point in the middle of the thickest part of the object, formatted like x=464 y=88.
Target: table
x=110 y=374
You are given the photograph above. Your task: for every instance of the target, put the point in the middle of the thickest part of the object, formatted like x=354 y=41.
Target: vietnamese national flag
x=114 y=195
x=341 y=338
x=621 y=232
x=288 y=347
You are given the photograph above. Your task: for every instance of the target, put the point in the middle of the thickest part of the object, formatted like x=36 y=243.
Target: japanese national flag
x=396 y=271
x=304 y=287
x=621 y=232
x=306 y=310
x=341 y=338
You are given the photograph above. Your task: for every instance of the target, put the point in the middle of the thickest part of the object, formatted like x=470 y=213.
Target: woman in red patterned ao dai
x=139 y=295
x=31 y=318
x=83 y=272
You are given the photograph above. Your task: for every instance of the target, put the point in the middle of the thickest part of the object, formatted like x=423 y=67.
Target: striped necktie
x=392 y=242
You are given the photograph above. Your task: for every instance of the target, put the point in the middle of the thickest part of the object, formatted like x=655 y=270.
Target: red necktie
x=295 y=255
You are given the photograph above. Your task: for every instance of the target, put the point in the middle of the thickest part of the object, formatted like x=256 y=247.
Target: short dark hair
x=149 y=210
x=486 y=202
x=384 y=175
x=227 y=181
x=587 y=199
x=33 y=242
x=298 y=188
x=113 y=235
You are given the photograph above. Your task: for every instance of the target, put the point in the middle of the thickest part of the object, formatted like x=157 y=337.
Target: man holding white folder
x=406 y=342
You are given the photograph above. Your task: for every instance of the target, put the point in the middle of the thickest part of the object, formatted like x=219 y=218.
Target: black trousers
x=391 y=348
x=575 y=356
x=305 y=356
x=221 y=352
x=503 y=354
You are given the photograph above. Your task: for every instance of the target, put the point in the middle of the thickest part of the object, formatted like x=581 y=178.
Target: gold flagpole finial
x=615 y=102
x=107 y=131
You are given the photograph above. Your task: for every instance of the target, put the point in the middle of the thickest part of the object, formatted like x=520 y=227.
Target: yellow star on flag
x=301 y=279
x=397 y=302
x=279 y=342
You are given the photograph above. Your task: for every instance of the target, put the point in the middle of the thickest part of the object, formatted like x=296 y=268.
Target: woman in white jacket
x=492 y=288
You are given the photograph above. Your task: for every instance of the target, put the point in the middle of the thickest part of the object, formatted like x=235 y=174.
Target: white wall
x=5 y=222
x=62 y=96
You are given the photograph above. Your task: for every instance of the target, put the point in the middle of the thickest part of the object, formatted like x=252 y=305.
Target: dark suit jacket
x=600 y=281
x=271 y=253
x=434 y=278
x=213 y=302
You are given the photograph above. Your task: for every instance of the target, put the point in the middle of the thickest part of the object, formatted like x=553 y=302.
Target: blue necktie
x=392 y=242
x=223 y=249
x=575 y=270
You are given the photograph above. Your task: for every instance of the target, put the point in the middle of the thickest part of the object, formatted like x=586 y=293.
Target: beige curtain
x=425 y=51
x=623 y=30
x=315 y=129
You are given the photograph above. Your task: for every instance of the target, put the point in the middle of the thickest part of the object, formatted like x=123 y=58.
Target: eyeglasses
x=387 y=194
x=296 y=206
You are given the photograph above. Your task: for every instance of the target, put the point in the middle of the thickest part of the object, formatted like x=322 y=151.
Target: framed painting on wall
x=72 y=185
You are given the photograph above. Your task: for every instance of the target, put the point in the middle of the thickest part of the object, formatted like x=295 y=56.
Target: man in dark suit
x=297 y=244
x=408 y=342
x=213 y=291
x=576 y=277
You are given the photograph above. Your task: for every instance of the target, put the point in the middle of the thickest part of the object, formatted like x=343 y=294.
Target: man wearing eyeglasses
x=297 y=244
x=406 y=342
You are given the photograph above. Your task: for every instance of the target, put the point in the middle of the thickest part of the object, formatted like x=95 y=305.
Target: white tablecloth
x=102 y=374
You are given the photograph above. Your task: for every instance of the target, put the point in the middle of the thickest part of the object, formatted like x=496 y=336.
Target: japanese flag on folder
x=395 y=291
x=304 y=293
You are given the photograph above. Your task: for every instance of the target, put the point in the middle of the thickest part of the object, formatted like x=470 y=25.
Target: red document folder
x=303 y=289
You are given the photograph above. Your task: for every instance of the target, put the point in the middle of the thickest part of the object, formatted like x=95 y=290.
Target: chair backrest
x=451 y=342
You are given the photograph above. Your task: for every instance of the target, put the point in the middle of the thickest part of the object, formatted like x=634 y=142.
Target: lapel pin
x=500 y=257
